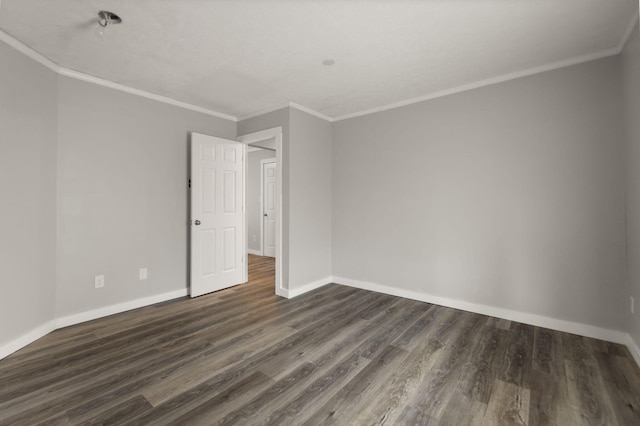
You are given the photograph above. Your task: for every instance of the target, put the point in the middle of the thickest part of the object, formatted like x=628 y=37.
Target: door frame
x=262 y=163
x=263 y=135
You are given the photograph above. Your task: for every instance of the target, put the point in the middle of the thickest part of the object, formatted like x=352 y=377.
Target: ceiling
x=243 y=57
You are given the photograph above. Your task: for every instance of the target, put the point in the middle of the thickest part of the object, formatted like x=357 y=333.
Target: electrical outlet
x=142 y=274
x=99 y=281
x=632 y=304
x=255 y=238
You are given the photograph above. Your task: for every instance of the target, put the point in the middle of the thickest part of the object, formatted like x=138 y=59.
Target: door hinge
x=189 y=183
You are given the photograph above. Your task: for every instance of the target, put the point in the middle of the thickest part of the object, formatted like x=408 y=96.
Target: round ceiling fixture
x=328 y=62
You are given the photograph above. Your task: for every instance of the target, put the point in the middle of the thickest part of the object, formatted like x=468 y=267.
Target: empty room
x=347 y=212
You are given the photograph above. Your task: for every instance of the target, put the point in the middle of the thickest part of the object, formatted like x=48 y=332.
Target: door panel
x=208 y=252
x=269 y=203
x=217 y=214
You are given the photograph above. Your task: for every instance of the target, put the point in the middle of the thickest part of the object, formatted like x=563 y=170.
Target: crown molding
x=310 y=111
x=27 y=51
x=262 y=112
x=127 y=89
x=43 y=60
x=484 y=83
x=287 y=105
x=627 y=33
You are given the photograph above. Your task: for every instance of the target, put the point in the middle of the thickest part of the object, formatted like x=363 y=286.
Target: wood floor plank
x=201 y=395
x=428 y=323
x=355 y=395
x=508 y=405
x=434 y=393
x=116 y=414
x=318 y=393
x=463 y=410
x=250 y=414
x=500 y=323
x=550 y=401
x=516 y=365
x=199 y=371
x=620 y=384
x=227 y=401
x=412 y=416
x=386 y=407
x=586 y=391
x=335 y=355
x=478 y=375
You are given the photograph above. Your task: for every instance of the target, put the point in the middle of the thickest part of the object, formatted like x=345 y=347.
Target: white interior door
x=269 y=207
x=217 y=214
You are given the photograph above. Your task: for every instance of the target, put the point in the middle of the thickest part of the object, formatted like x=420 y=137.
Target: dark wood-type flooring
x=336 y=355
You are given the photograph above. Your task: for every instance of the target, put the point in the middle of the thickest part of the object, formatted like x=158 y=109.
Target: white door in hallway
x=269 y=207
x=218 y=257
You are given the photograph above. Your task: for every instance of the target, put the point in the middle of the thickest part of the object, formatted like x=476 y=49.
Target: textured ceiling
x=242 y=57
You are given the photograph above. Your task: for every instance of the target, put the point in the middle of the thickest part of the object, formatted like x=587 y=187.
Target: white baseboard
x=282 y=292
x=526 y=318
x=308 y=287
x=256 y=252
x=120 y=307
x=25 y=339
x=633 y=348
x=61 y=322
x=536 y=320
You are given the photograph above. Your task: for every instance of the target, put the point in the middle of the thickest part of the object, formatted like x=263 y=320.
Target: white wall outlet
x=632 y=303
x=255 y=238
x=99 y=281
x=142 y=274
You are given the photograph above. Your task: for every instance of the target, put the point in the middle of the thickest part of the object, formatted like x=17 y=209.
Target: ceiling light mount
x=106 y=18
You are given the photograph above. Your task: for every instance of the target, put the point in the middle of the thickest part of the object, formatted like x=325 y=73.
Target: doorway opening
x=264 y=201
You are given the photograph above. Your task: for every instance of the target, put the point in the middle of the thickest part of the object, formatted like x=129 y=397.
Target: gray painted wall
x=630 y=67
x=28 y=94
x=122 y=194
x=254 y=212
x=279 y=118
x=510 y=196
x=306 y=187
x=310 y=199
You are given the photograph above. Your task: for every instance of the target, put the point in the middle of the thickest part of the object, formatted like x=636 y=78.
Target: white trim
x=275 y=132
x=27 y=338
x=256 y=252
x=262 y=112
x=118 y=308
x=287 y=105
x=260 y=136
x=121 y=87
x=262 y=163
x=309 y=287
x=526 y=318
x=483 y=83
x=310 y=111
x=57 y=323
x=245 y=221
x=633 y=348
x=282 y=292
x=261 y=207
x=38 y=57
x=627 y=33
x=43 y=60
x=29 y=52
